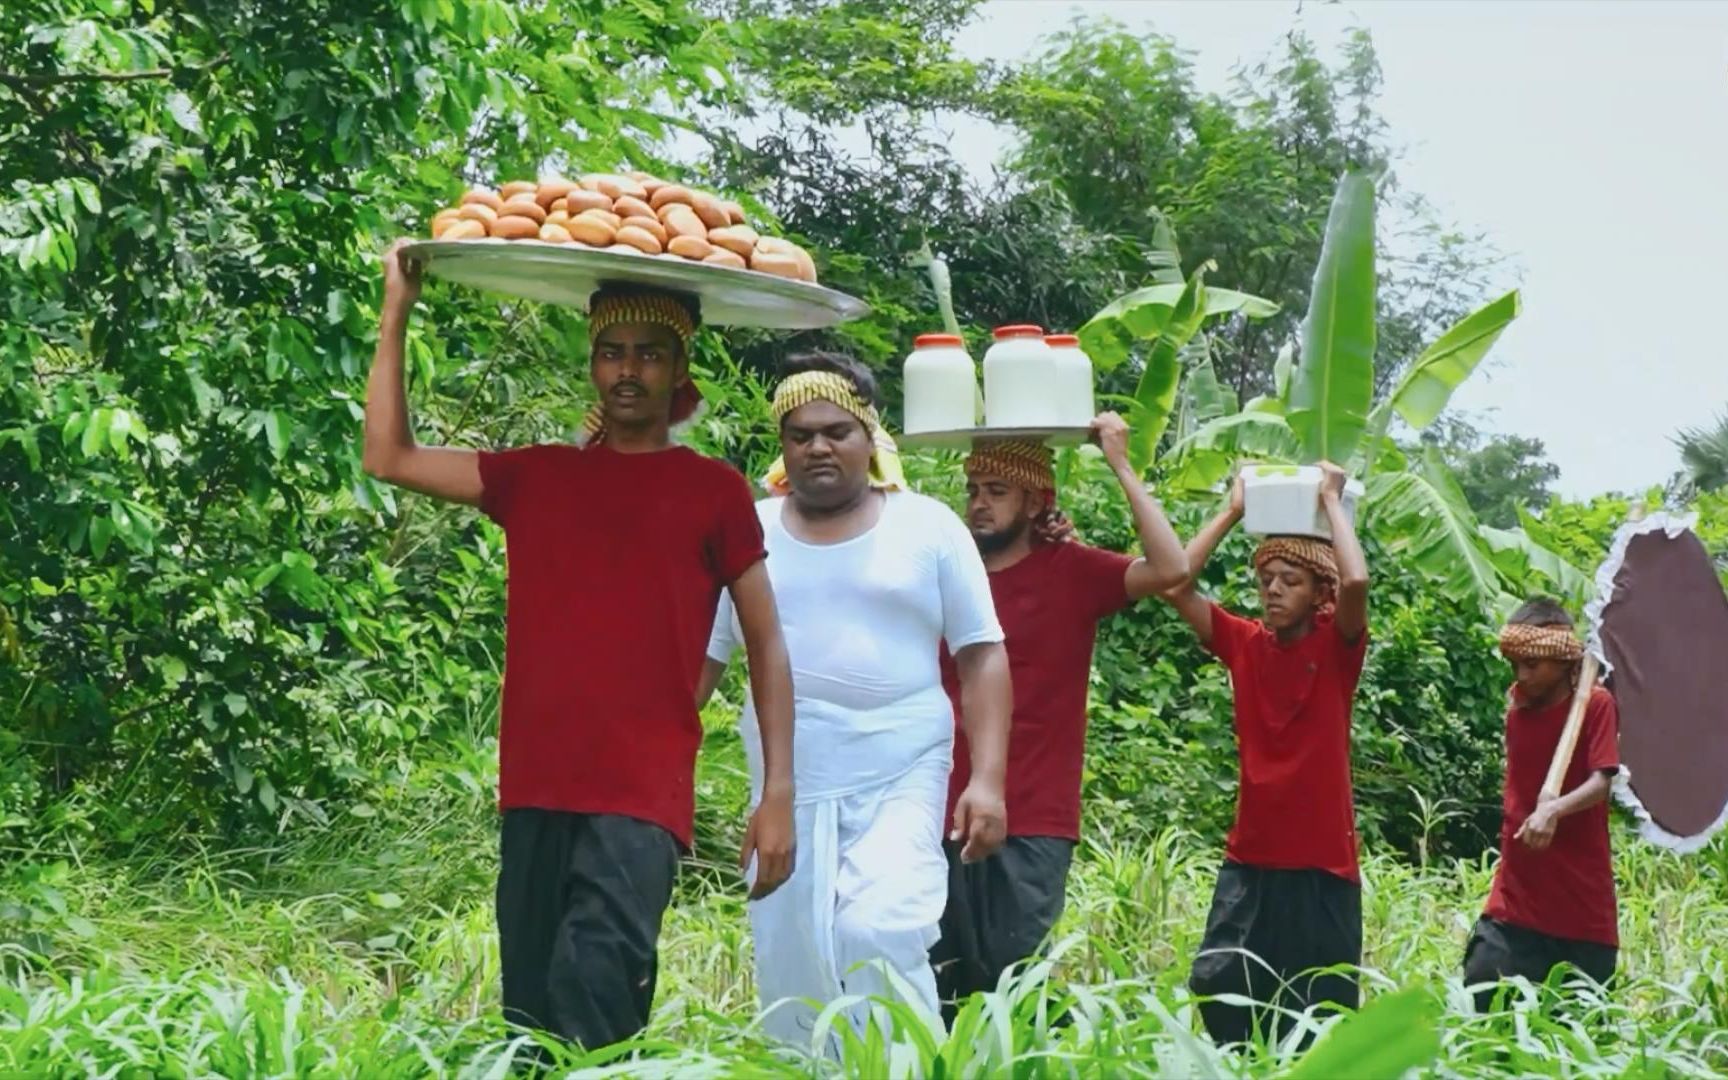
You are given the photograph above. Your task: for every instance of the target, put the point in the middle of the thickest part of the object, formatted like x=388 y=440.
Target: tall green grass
x=368 y=950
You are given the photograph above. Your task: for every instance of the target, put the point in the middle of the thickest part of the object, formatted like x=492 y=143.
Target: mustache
x=627 y=384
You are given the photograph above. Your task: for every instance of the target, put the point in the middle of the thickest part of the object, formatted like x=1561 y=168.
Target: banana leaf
x=1109 y=336
x=1202 y=397
x=1249 y=433
x=1521 y=558
x=1443 y=366
x=1418 y=513
x=1155 y=395
x=1332 y=388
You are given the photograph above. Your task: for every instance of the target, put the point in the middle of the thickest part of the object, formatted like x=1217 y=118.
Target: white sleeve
x=968 y=610
x=726 y=636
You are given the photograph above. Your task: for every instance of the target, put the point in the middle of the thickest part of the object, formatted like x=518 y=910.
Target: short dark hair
x=1542 y=611
x=862 y=379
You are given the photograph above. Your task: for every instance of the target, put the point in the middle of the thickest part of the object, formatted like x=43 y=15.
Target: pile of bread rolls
x=632 y=213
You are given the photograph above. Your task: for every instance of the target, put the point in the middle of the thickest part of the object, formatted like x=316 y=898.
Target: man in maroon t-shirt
x=618 y=550
x=1049 y=597
x=1553 y=897
x=1288 y=900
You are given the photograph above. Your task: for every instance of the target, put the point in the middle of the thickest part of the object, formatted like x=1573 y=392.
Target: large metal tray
x=569 y=274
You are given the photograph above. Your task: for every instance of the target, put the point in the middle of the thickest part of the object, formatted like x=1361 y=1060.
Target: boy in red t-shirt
x=1288 y=900
x=618 y=550
x=1050 y=597
x=1553 y=897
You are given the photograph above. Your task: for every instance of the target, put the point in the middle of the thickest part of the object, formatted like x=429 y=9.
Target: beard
x=989 y=543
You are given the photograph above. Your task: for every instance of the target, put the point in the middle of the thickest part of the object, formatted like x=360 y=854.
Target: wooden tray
x=568 y=274
x=963 y=438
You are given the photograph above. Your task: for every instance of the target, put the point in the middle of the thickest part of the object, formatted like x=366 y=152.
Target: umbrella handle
x=1574 y=725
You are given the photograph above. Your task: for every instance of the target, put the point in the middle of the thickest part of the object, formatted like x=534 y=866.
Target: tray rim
x=1053 y=435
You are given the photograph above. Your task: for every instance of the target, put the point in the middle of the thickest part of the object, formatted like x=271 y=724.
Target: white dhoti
x=868 y=892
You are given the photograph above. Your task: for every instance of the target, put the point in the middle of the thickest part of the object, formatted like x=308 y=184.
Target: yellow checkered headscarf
x=607 y=310
x=1018 y=461
x=801 y=389
x=1523 y=641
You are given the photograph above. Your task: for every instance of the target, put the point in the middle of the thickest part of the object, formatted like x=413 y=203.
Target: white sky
x=1589 y=140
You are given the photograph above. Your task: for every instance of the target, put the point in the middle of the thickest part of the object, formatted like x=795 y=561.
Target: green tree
x=1704 y=454
x=1500 y=475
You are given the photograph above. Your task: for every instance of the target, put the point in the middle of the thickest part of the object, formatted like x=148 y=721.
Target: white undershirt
x=863 y=621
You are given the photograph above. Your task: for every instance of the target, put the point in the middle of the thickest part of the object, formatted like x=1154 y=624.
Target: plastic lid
x=937 y=341
x=1062 y=340
x=1019 y=330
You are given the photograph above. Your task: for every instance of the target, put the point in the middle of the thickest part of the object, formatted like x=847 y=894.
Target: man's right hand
x=401 y=278
x=770 y=839
x=1238 y=496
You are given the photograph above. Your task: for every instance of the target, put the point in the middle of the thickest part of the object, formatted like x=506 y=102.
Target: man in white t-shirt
x=869 y=580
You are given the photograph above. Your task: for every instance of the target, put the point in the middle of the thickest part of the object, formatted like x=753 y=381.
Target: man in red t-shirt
x=618 y=551
x=1288 y=900
x=1553 y=897
x=1049 y=598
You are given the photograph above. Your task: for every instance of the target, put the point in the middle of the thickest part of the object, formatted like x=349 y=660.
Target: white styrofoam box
x=1284 y=500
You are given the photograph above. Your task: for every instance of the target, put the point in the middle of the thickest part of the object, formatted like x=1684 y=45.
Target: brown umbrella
x=1659 y=628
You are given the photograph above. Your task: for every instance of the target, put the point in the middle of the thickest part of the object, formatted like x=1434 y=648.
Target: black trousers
x=1267 y=932
x=580 y=899
x=1499 y=950
x=999 y=912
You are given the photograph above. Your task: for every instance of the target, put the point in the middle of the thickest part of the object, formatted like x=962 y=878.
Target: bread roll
x=625 y=249
x=680 y=220
x=515 y=227
x=592 y=231
x=578 y=201
x=769 y=262
x=557 y=217
x=550 y=191
x=613 y=186
x=736 y=238
x=640 y=239
x=524 y=206
x=730 y=259
x=671 y=193
x=629 y=206
x=466 y=229
x=613 y=221
x=517 y=187
x=650 y=225
x=483 y=198
x=554 y=233
x=806 y=265
x=773 y=245
x=690 y=247
x=442 y=220
x=708 y=208
x=480 y=212
x=650 y=183
x=734 y=212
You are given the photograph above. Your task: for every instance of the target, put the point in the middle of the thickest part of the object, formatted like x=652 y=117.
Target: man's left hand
x=771 y=838
x=1332 y=481
x=1537 y=832
x=981 y=820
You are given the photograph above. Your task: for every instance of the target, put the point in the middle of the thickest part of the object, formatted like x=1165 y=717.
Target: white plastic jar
x=1019 y=373
x=1072 y=390
x=940 y=385
x=1284 y=500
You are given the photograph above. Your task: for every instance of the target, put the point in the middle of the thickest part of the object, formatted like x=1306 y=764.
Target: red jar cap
x=1019 y=330
x=936 y=341
x=1061 y=339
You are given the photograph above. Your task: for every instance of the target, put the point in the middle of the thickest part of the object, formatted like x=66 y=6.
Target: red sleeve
x=1230 y=635
x=1600 y=740
x=1098 y=578
x=1351 y=654
x=735 y=543
x=504 y=476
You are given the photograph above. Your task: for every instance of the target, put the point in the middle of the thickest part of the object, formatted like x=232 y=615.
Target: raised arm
x=1165 y=565
x=1195 y=609
x=390 y=452
x=1351 y=616
x=770 y=834
x=986 y=709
